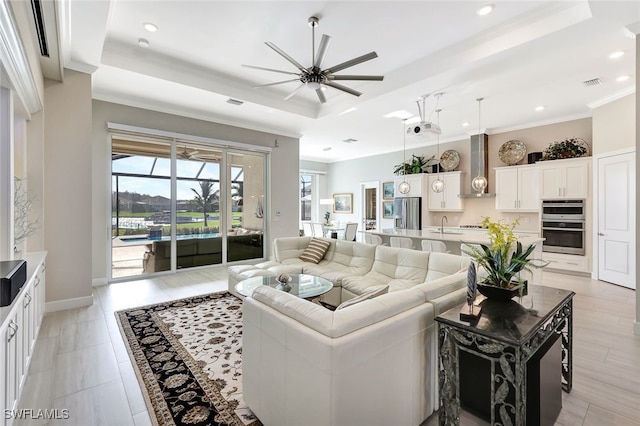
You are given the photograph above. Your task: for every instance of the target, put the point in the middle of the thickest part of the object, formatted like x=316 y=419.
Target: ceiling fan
x=314 y=77
x=196 y=155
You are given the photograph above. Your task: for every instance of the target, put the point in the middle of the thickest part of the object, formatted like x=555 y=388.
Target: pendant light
x=438 y=184
x=404 y=186
x=479 y=183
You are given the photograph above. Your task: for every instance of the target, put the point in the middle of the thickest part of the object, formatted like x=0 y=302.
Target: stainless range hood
x=479 y=162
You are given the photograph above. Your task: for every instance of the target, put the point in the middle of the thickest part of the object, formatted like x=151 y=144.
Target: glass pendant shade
x=404 y=187
x=438 y=185
x=479 y=183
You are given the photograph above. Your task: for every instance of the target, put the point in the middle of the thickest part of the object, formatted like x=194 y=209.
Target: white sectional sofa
x=372 y=363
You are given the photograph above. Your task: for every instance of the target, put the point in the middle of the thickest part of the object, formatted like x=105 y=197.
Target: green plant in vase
x=418 y=164
x=327 y=218
x=566 y=148
x=504 y=257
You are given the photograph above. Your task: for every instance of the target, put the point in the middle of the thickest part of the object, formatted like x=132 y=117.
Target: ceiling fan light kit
x=314 y=77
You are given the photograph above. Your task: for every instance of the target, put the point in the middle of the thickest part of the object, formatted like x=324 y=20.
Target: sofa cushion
x=315 y=251
x=365 y=296
x=401 y=263
x=445 y=264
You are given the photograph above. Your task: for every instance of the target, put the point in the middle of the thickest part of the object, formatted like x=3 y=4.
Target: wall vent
x=234 y=101
x=592 y=82
x=350 y=140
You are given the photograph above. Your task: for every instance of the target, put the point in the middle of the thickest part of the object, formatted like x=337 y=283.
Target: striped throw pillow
x=315 y=251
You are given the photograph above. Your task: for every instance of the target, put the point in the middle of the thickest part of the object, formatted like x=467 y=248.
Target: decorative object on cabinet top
x=566 y=148
x=417 y=165
x=511 y=152
x=449 y=160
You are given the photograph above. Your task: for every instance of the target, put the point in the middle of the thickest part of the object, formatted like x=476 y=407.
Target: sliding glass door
x=179 y=205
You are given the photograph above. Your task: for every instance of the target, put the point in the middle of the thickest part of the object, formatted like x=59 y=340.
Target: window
x=193 y=216
x=306 y=196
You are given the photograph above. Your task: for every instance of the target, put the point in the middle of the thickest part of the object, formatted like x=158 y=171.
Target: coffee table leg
x=449 y=412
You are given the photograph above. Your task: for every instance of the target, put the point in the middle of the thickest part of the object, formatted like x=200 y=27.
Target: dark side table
x=510 y=364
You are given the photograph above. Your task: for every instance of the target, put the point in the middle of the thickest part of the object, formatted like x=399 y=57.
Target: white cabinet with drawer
x=567 y=262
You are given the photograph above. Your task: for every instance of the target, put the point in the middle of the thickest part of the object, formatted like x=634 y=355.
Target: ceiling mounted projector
x=422 y=128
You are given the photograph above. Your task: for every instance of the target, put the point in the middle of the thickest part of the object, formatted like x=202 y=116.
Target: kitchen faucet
x=444 y=218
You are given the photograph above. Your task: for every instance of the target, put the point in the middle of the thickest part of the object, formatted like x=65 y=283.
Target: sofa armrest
x=437 y=288
x=450 y=300
x=338 y=323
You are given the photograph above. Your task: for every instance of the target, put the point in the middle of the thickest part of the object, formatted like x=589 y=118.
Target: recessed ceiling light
x=485 y=10
x=539 y=108
x=465 y=124
x=152 y=28
x=402 y=114
x=617 y=54
x=622 y=78
x=143 y=42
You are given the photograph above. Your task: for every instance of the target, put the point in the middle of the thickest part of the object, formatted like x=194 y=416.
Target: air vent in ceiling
x=234 y=101
x=38 y=20
x=350 y=140
x=592 y=82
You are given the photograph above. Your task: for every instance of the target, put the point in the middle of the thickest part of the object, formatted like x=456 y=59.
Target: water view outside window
x=148 y=223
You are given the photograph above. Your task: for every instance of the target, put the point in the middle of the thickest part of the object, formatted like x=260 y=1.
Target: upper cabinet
x=449 y=199
x=518 y=188
x=416 y=183
x=561 y=179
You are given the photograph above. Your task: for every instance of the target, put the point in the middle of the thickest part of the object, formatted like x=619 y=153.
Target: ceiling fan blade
x=276 y=83
x=269 y=69
x=322 y=50
x=292 y=94
x=343 y=88
x=356 y=77
x=321 y=96
x=287 y=57
x=350 y=63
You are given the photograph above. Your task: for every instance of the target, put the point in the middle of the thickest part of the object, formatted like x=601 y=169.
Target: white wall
x=67 y=185
x=613 y=125
x=283 y=166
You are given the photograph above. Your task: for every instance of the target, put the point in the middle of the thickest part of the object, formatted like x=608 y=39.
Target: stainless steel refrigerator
x=407 y=212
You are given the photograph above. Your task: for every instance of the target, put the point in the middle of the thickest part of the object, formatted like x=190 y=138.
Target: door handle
x=601 y=234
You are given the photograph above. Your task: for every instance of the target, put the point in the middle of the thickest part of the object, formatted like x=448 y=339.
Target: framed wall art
x=387 y=191
x=343 y=203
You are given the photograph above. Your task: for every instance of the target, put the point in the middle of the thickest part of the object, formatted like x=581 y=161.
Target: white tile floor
x=80 y=362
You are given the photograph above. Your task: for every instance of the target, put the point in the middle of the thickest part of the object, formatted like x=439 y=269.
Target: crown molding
x=15 y=61
x=612 y=97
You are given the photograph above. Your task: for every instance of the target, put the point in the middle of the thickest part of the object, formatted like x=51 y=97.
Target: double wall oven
x=563 y=226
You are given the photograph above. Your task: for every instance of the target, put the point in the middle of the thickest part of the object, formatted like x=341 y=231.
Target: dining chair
x=433 y=245
x=401 y=242
x=307 y=229
x=318 y=230
x=350 y=231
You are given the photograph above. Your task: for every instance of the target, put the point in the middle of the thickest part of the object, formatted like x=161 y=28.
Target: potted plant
x=418 y=164
x=503 y=260
x=567 y=148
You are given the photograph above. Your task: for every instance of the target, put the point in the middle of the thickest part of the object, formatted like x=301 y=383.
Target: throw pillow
x=364 y=296
x=315 y=251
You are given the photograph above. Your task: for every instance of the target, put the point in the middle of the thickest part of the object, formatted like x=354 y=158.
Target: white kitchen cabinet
x=19 y=326
x=567 y=262
x=518 y=188
x=565 y=179
x=449 y=199
x=416 y=183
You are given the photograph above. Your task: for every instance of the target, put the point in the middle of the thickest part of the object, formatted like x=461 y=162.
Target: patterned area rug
x=187 y=355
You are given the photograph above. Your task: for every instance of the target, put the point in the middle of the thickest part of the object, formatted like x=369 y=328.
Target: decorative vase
x=500 y=293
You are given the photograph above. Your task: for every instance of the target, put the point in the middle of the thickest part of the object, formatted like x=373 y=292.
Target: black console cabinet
x=510 y=365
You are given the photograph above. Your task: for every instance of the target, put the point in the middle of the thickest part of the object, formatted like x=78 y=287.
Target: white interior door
x=616 y=223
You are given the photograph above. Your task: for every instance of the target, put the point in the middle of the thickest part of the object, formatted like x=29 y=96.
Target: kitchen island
x=455 y=237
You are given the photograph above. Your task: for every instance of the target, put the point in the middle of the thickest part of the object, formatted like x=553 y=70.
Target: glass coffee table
x=301 y=285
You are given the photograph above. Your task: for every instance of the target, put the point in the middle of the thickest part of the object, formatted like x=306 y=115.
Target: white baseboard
x=636 y=328
x=61 y=305
x=97 y=282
